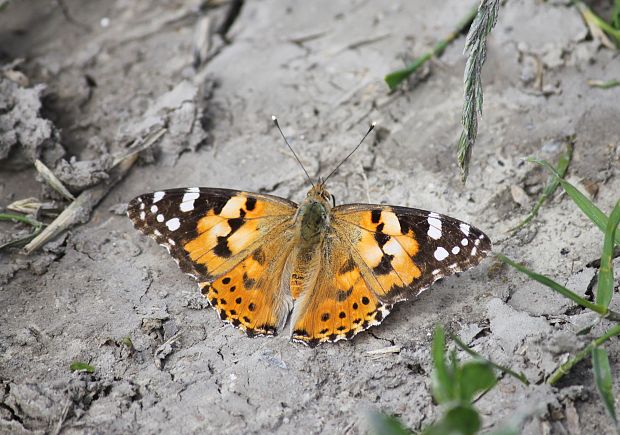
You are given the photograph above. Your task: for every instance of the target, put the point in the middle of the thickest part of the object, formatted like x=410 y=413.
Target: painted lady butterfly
x=339 y=269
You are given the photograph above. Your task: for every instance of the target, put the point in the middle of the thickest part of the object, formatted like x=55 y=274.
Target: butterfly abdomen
x=305 y=268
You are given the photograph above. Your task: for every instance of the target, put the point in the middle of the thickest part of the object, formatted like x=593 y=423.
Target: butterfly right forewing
x=402 y=251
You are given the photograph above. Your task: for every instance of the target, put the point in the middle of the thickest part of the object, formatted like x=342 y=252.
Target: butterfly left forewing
x=402 y=251
x=234 y=243
x=206 y=230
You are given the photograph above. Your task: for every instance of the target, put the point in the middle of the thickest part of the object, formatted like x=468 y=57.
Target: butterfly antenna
x=275 y=121
x=372 y=126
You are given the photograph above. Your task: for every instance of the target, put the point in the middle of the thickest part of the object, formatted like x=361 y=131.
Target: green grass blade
x=552 y=183
x=475 y=376
x=520 y=376
x=615 y=15
x=382 y=424
x=38 y=227
x=592 y=19
x=568 y=365
x=441 y=379
x=395 y=78
x=555 y=286
x=603 y=379
x=605 y=288
x=589 y=209
x=19 y=218
x=77 y=366
x=604 y=84
x=461 y=419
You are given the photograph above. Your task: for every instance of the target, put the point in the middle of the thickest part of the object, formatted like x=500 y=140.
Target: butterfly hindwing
x=227 y=240
x=340 y=303
x=402 y=251
x=252 y=295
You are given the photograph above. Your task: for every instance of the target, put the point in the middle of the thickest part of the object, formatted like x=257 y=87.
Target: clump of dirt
x=24 y=135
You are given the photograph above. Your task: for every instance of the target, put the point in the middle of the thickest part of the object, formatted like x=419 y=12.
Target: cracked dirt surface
x=105 y=295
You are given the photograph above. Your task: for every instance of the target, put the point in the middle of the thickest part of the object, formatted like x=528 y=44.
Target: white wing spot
x=154 y=209
x=464 y=242
x=140 y=199
x=392 y=247
x=160 y=217
x=193 y=189
x=440 y=254
x=157 y=233
x=434 y=228
x=473 y=251
x=434 y=233
x=186 y=206
x=171 y=242
x=481 y=236
x=141 y=204
x=142 y=215
x=157 y=196
x=187 y=203
x=477 y=242
x=436 y=271
x=464 y=228
x=456 y=250
x=173 y=224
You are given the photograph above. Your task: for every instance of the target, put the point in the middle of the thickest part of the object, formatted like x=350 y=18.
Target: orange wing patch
x=251 y=295
x=402 y=251
x=385 y=248
x=231 y=245
x=226 y=235
x=340 y=305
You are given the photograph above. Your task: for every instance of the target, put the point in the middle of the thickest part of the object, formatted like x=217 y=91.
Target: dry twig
x=79 y=210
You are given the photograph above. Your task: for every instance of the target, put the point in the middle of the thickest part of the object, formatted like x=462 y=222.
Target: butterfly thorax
x=313 y=216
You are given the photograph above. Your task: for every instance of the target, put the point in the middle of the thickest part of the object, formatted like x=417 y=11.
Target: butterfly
x=334 y=270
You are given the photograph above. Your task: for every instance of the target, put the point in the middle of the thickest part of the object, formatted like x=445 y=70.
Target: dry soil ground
x=104 y=73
